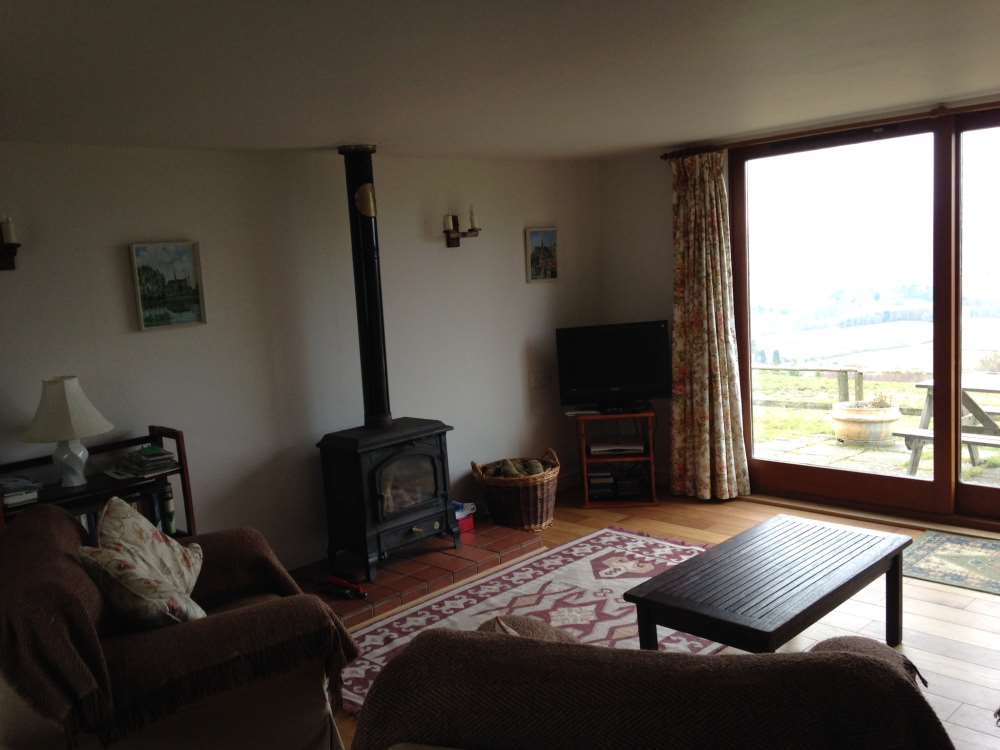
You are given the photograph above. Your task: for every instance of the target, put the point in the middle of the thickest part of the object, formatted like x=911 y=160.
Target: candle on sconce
x=472 y=217
x=7 y=230
x=447 y=222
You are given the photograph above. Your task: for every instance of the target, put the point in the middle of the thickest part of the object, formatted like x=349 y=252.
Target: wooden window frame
x=970 y=499
x=943 y=496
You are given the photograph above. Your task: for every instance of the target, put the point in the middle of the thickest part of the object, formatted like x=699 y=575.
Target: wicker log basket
x=522 y=502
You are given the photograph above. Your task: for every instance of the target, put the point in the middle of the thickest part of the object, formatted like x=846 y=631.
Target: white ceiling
x=470 y=77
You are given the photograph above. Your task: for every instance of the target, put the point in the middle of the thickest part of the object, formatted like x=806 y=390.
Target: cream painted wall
x=637 y=257
x=69 y=307
x=468 y=341
x=638 y=248
x=276 y=366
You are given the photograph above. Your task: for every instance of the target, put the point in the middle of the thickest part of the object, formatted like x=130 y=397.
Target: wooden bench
x=916 y=437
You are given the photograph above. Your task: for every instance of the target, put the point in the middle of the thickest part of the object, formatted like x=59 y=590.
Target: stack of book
x=18 y=491
x=630 y=487
x=602 y=485
x=618 y=448
x=148 y=461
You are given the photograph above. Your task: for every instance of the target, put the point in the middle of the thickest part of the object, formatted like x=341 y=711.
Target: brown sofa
x=488 y=691
x=254 y=673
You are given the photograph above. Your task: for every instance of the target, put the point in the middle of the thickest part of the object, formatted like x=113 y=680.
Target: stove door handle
x=420 y=529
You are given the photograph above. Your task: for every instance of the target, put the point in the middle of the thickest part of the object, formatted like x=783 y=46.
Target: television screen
x=614 y=364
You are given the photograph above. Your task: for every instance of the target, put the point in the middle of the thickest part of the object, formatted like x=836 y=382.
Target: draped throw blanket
x=709 y=457
x=69 y=657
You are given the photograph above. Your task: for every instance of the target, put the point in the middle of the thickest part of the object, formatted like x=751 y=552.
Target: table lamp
x=65 y=415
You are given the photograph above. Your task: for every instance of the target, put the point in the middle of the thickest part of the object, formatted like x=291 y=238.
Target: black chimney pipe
x=367 y=283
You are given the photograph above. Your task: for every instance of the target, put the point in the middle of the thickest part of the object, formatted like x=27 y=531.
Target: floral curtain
x=708 y=458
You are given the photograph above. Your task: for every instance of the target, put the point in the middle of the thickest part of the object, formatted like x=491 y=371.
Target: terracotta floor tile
x=423 y=568
x=469 y=572
x=518 y=552
x=407 y=587
x=506 y=546
x=350 y=611
x=390 y=578
x=489 y=564
x=379 y=593
x=427 y=545
x=403 y=566
x=475 y=554
x=435 y=578
x=491 y=534
x=533 y=544
x=448 y=562
x=523 y=535
x=385 y=606
x=440 y=584
x=350 y=570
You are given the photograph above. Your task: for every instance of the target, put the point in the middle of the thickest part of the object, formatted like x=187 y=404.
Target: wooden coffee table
x=763 y=587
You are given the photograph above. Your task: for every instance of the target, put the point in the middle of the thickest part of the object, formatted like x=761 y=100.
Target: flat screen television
x=613 y=366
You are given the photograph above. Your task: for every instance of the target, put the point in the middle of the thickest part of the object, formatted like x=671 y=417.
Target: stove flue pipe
x=367 y=283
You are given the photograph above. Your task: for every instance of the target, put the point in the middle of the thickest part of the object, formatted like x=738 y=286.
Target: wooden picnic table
x=978 y=426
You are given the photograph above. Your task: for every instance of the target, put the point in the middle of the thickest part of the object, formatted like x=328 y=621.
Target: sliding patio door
x=979 y=246
x=839 y=243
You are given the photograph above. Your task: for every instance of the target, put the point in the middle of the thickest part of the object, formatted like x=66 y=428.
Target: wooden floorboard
x=951 y=634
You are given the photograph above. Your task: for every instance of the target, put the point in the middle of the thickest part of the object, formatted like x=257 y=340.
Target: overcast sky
x=862 y=216
x=840 y=218
x=981 y=213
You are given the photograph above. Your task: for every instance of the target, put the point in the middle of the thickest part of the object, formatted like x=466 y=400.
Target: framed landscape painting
x=168 y=287
x=540 y=259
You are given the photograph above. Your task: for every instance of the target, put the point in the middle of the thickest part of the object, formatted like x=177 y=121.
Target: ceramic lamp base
x=71 y=458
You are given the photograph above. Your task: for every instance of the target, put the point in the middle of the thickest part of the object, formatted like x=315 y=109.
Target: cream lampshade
x=65 y=415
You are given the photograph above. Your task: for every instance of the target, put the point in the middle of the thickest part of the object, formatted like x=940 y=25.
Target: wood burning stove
x=386 y=483
x=386 y=488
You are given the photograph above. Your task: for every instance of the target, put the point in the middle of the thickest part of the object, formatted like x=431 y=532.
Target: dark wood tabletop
x=763 y=587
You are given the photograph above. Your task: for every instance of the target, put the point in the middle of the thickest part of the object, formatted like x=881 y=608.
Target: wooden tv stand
x=644 y=462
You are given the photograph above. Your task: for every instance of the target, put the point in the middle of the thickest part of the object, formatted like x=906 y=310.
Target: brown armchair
x=262 y=670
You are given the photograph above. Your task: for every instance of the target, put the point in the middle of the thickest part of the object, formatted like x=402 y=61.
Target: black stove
x=386 y=483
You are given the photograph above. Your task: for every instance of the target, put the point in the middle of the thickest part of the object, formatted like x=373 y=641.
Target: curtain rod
x=941 y=110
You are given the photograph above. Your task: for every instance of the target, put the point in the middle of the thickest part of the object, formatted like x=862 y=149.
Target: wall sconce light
x=8 y=244
x=452 y=232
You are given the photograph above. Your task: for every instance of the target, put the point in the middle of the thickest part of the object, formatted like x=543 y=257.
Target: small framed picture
x=540 y=257
x=168 y=286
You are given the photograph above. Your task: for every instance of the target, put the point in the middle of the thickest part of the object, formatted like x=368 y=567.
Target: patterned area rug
x=965 y=561
x=577 y=587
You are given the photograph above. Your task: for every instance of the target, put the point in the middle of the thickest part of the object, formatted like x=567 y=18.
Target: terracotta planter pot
x=854 y=424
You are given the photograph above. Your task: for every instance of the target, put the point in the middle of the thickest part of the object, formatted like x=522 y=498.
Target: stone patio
x=826 y=450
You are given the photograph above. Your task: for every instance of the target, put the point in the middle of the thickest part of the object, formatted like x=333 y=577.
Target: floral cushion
x=146 y=575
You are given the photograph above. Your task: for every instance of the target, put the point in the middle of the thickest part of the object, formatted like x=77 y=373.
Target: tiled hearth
x=422 y=569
